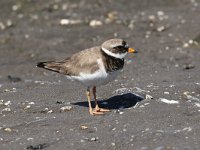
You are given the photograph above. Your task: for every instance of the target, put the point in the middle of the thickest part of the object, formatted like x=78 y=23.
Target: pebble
x=161 y=28
x=121 y=112
x=94 y=139
x=27 y=107
x=152 y=18
x=8 y=103
x=29 y=139
x=7 y=129
x=2 y=26
x=70 y=21
x=83 y=127
x=113 y=144
x=166 y=92
x=6 y=109
x=111 y=16
x=95 y=23
x=1 y=102
x=188 y=66
x=189 y=97
x=149 y=97
x=65 y=108
x=9 y=23
x=50 y=111
x=16 y=7
x=45 y=110
x=160 y=13
x=31 y=103
x=168 y=101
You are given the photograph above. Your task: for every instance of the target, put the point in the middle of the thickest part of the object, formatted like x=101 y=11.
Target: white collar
x=116 y=55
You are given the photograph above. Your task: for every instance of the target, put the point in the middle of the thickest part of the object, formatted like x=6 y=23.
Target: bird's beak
x=131 y=50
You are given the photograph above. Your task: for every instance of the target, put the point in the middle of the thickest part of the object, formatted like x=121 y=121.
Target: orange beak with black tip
x=131 y=50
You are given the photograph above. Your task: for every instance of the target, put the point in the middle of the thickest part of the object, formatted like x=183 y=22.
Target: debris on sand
x=46 y=110
x=94 y=139
x=168 y=101
x=111 y=17
x=1 y=102
x=188 y=66
x=7 y=109
x=161 y=28
x=14 y=79
x=83 y=127
x=95 y=23
x=8 y=103
x=65 y=108
x=36 y=147
x=190 y=97
x=65 y=22
x=8 y=130
x=149 y=97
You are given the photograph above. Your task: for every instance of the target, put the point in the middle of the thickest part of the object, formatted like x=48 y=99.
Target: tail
x=50 y=65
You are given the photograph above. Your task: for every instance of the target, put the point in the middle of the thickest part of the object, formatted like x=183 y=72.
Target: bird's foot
x=95 y=112
x=98 y=109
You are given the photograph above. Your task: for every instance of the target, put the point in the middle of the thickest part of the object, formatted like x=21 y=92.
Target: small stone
x=59 y=102
x=29 y=139
x=45 y=110
x=112 y=15
x=1 y=102
x=50 y=111
x=149 y=97
x=31 y=103
x=93 y=139
x=168 y=101
x=95 y=23
x=8 y=103
x=6 y=109
x=160 y=13
x=152 y=18
x=7 y=129
x=83 y=127
x=113 y=144
x=166 y=92
x=13 y=79
x=16 y=7
x=65 y=108
x=9 y=23
x=185 y=45
x=27 y=107
x=161 y=28
x=121 y=112
x=2 y=26
x=188 y=66
x=190 y=41
x=69 y=22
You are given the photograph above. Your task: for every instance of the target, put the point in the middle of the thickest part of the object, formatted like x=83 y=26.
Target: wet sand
x=155 y=102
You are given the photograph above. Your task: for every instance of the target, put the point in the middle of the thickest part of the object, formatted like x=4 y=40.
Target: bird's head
x=117 y=48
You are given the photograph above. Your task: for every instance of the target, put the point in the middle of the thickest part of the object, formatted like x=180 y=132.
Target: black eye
x=120 y=47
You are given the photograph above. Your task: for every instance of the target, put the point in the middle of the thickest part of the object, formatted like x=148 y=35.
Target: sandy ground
x=166 y=68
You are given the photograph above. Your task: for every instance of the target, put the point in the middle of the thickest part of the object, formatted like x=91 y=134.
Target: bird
x=93 y=67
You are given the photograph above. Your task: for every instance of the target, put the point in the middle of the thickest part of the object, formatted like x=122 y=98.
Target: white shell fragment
x=65 y=108
x=168 y=101
x=95 y=23
x=7 y=129
x=69 y=22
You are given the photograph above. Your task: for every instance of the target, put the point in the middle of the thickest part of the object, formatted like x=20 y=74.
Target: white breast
x=100 y=77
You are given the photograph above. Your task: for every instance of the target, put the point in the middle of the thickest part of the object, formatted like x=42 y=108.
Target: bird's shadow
x=116 y=102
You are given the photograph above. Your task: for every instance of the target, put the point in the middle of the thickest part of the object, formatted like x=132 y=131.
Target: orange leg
x=97 y=108
x=91 y=111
